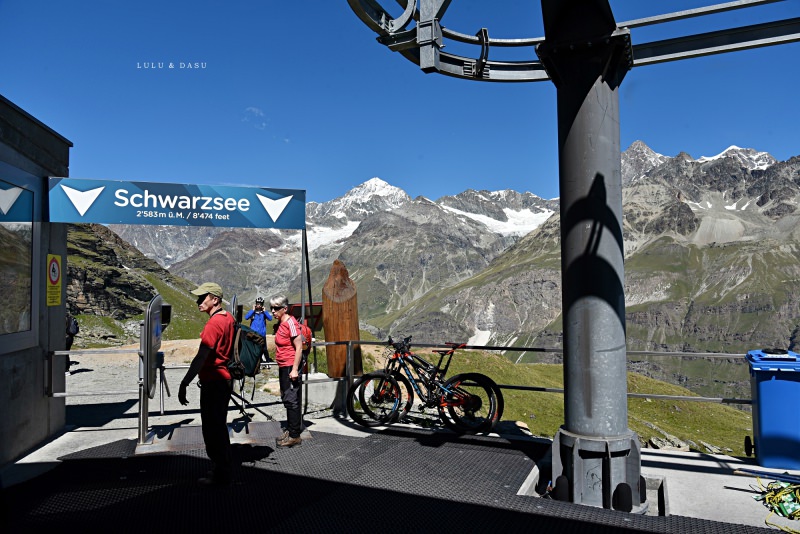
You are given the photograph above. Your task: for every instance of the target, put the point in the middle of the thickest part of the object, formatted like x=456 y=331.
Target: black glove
x=182 y=394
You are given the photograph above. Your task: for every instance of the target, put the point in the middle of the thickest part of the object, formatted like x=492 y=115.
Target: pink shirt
x=218 y=336
x=285 y=350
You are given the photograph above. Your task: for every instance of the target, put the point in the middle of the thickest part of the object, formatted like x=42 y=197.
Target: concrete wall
x=28 y=415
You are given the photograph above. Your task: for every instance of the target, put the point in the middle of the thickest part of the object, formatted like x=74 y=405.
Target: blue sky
x=298 y=94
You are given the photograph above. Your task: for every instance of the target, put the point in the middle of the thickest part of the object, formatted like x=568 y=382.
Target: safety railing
x=347 y=380
x=349 y=375
x=707 y=355
x=79 y=352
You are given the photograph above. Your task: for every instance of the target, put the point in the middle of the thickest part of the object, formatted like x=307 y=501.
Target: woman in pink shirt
x=289 y=356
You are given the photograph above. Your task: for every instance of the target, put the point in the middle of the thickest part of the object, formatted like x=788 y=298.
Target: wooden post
x=340 y=319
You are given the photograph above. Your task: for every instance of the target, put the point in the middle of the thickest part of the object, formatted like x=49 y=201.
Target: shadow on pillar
x=596 y=459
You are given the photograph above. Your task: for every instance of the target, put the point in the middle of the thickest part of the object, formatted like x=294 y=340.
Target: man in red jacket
x=210 y=364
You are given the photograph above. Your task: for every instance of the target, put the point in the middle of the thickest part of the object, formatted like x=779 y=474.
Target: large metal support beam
x=719 y=42
x=596 y=458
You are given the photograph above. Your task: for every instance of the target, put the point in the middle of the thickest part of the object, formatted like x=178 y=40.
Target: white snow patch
x=695 y=205
x=735 y=205
x=722 y=154
x=752 y=158
x=322 y=235
x=480 y=337
x=519 y=223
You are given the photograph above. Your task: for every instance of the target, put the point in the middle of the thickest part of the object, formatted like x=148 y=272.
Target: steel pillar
x=594 y=453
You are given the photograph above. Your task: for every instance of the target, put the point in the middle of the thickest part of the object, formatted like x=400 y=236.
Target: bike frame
x=431 y=377
x=467 y=402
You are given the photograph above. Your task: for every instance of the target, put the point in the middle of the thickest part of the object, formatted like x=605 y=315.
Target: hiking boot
x=215 y=477
x=284 y=435
x=289 y=441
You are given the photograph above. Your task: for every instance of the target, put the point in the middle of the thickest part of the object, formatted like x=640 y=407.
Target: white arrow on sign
x=275 y=207
x=8 y=197
x=82 y=200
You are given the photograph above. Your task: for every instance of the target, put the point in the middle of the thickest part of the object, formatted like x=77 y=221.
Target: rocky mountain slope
x=110 y=283
x=423 y=244
x=711 y=250
x=711 y=264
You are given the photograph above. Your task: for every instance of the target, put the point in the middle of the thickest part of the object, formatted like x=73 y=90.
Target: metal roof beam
x=705 y=44
x=698 y=12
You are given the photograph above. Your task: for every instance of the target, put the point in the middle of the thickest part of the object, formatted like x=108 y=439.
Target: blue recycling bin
x=775 y=386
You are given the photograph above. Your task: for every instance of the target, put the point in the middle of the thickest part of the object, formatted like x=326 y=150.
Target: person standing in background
x=258 y=318
x=72 y=329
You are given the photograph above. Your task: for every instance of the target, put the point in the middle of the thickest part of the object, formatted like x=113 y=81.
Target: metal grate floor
x=398 y=481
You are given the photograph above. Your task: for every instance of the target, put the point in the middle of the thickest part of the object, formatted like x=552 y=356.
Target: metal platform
x=177 y=438
x=398 y=480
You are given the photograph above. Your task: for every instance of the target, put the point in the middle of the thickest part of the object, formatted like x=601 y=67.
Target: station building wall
x=30 y=327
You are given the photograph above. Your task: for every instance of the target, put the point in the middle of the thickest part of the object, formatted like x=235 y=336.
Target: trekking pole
x=254 y=407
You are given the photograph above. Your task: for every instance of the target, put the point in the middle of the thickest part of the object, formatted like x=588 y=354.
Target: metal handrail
x=64 y=394
x=349 y=368
x=720 y=400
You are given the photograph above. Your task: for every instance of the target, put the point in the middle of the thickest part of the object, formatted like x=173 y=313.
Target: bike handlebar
x=405 y=344
x=400 y=346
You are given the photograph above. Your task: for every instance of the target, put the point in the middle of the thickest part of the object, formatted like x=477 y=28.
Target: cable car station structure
x=586 y=54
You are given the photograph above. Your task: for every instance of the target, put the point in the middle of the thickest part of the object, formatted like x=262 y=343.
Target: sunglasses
x=201 y=299
x=276 y=308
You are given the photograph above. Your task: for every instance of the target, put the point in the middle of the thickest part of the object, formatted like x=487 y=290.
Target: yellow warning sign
x=53 y=280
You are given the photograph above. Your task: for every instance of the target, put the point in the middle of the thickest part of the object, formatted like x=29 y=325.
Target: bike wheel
x=468 y=403
x=500 y=401
x=406 y=395
x=374 y=399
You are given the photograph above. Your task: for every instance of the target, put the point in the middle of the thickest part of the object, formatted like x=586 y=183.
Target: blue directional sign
x=105 y=201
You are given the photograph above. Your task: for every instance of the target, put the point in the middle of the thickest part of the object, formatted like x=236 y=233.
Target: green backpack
x=246 y=357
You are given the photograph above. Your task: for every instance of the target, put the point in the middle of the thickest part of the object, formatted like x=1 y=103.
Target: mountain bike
x=466 y=403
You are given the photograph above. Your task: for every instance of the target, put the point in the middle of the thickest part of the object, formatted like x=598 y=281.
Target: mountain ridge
x=485 y=266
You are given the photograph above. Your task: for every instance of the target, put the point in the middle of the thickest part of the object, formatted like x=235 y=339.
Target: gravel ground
x=104 y=388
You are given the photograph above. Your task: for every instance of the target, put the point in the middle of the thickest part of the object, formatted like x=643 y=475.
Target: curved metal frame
x=423 y=43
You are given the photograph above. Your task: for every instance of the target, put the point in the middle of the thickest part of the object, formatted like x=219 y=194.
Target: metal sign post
x=149 y=344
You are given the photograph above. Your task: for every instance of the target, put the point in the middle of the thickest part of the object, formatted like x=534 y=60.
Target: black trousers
x=214 y=398
x=291 y=395
x=69 y=339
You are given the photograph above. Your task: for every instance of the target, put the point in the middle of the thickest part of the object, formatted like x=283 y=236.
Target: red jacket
x=218 y=336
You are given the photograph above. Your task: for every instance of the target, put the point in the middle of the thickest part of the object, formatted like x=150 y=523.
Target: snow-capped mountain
x=337 y=219
x=360 y=202
x=639 y=159
x=748 y=158
x=506 y=213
